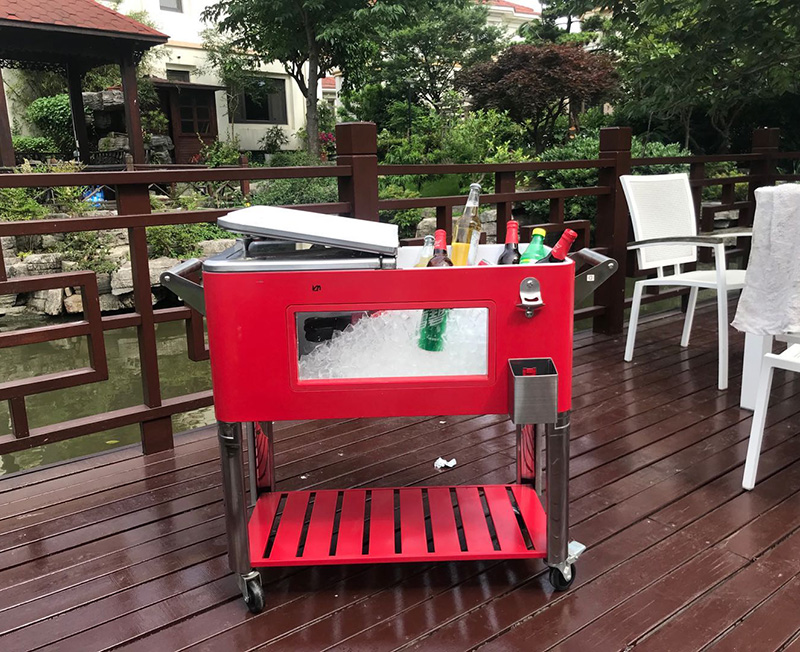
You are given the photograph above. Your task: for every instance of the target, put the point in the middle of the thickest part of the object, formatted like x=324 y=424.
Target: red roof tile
x=75 y=14
x=518 y=9
x=329 y=82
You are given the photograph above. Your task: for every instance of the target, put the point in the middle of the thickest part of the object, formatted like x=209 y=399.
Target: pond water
x=179 y=375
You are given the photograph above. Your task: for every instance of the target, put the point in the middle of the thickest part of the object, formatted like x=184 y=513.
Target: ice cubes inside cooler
x=385 y=344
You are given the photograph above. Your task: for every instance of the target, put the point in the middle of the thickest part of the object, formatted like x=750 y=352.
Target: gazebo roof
x=49 y=33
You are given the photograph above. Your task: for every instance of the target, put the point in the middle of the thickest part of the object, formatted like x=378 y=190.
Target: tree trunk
x=312 y=118
x=687 y=129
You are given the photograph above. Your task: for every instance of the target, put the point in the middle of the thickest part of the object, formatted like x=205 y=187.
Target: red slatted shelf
x=404 y=524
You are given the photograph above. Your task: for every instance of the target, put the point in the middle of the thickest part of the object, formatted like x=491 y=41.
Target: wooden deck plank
x=772 y=624
x=722 y=607
x=88 y=563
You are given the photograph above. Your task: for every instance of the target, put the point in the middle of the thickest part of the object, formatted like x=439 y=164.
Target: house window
x=178 y=75
x=195 y=113
x=264 y=104
x=171 y=5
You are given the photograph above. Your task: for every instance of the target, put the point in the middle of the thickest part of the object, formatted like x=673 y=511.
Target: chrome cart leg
x=230 y=448
x=539 y=435
x=265 y=456
x=249 y=431
x=561 y=553
x=526 y=469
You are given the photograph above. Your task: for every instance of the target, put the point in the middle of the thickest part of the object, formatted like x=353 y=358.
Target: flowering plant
x=327 y=140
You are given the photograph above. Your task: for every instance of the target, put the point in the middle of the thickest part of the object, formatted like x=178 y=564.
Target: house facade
x=197 y=105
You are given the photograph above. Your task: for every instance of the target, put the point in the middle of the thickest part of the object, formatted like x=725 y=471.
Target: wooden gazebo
x=73 y=37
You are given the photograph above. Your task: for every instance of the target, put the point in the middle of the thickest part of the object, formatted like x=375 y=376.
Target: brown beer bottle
x=440 y=257
x=510 y=255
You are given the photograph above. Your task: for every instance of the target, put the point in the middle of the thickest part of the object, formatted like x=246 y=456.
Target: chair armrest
x=697 y=241
x=733 y=233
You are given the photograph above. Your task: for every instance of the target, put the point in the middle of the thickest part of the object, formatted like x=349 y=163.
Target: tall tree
x=309 y=37
x=536 y=84
x=557 y=20
x=426 y=51
x=680 y=58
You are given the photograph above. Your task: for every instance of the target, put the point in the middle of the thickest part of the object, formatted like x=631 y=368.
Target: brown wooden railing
x=358 y=173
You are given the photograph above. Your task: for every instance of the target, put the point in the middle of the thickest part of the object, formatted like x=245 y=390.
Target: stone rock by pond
x=122 y=279
x=49 y=302
x=73 y=304
x=213 y=247
x=426 y=226
x=37 y=264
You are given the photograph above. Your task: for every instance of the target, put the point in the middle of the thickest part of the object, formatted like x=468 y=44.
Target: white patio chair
x=665 y=227
x=789 y=360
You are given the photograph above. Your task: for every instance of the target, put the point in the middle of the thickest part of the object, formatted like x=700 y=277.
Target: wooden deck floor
x=125 y=551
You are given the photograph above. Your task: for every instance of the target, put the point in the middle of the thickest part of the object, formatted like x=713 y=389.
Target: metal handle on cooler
x=192 y=293
x=602 y=267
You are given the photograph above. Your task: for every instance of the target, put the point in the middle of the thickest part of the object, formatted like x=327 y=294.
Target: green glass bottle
x=434 y=320
x=535 y=250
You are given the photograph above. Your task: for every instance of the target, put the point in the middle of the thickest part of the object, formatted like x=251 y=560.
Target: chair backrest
x=661 y=206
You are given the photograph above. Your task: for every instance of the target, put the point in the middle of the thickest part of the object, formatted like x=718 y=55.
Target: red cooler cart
x=279 y=313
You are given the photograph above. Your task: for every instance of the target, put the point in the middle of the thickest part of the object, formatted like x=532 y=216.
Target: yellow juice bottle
x=467 y=232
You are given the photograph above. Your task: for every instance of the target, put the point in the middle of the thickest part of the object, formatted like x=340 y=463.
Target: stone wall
x=115 y=289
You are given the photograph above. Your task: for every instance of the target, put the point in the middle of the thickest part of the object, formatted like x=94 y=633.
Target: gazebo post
x=6 y=144
x=74 y=80
x=133 y=121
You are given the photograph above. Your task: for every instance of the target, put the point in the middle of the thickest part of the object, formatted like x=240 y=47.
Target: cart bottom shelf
x=404 y=524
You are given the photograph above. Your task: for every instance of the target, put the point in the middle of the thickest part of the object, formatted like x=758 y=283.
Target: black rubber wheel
x=558 y=581
x=254 y=599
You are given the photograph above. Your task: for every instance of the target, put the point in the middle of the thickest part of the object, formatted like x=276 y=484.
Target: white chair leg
x=687 y=323
x=634 y=321
x=722 y=318
x=757 y=426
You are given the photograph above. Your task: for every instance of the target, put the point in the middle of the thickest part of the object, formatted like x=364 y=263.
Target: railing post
x=245 y=183
x=765 y=142
x=357 y=146
x=156 y=433
x=7 y=158
x=611 y=229
x=504 y=182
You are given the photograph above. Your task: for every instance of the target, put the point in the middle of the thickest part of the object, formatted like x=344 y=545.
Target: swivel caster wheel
x=254 y=595
x=559 y=582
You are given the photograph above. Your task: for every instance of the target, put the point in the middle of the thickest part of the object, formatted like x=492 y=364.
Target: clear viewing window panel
x=392 y=343
x=171 y=5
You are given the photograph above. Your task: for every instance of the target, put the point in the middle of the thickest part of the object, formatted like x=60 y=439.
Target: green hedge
x=583 y=147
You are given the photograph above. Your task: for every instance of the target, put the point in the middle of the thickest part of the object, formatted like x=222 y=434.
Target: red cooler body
x=279 y=313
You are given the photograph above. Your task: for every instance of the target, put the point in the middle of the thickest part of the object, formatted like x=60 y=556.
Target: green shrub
x=219 y=153
x=87 y=249
x=34 y=145
x=52 y=117
x=278 y=192
x=407 y=219
x=291 y=158
x=66 y=199
x=17 y=204
x=273 y=139
x=587 y=146
x=721 y=170
x=180 y=240
x=155 y=122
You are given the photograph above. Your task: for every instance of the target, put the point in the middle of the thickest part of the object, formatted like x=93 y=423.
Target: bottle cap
x=429 y=239
x=440 y=236
x=475 y=186
x=541 y=232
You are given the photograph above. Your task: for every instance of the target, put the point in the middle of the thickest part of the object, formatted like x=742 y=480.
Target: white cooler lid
x=314 y=228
